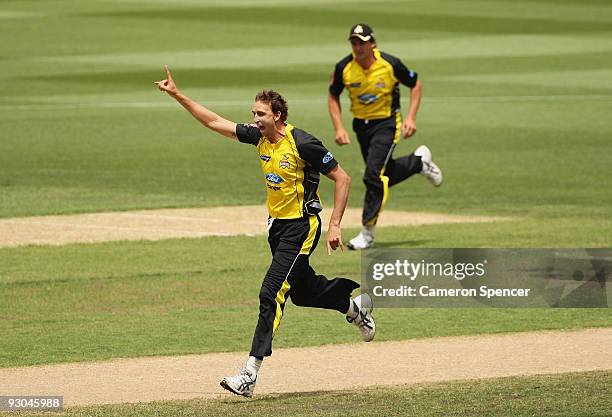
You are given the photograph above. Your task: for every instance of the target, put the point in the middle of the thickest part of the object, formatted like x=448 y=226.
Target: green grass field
x=517 y=98
x=90 y=302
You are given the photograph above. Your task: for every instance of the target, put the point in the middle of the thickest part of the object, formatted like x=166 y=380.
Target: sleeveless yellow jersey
x=291 y=170
x=374 y=92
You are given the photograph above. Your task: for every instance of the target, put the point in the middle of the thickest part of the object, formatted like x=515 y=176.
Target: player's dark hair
x=276 y=102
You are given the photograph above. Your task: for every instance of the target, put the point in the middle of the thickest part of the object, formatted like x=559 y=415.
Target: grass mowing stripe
x=583 y=12
x=237 y=3
x=455 y=47
x=600 y=79
x=473 y=23
x=59 y=106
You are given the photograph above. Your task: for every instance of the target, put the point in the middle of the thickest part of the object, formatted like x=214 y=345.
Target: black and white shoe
x=362 y=317
x=241 y=384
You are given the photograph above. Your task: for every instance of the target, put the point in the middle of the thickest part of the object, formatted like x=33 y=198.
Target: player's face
x=264 y=118
x=361 y=49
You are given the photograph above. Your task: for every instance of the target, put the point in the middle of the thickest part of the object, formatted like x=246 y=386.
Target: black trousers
x=290 y=276
x=377 y=139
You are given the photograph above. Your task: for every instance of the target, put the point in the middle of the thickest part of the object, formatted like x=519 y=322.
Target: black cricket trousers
x=290 y=276
x=377 y=139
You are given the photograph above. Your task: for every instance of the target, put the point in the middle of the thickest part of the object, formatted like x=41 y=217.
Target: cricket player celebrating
x=292 y=161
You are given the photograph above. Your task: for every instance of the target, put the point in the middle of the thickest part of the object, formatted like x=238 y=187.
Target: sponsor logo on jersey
x=367 y=98
x=273 y=187
x=264 y=157
x=328 y=157
x=380 y=83
x=274 y=178
x=284 y=163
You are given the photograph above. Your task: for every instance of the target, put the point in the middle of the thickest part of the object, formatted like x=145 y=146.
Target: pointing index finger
x=168 y=75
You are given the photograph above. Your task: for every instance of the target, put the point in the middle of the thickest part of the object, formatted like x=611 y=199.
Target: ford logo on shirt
x=274 y=178
x=367 y=98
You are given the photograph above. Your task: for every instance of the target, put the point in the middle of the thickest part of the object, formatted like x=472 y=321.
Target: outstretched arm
x=205 y=116
x=341 y=191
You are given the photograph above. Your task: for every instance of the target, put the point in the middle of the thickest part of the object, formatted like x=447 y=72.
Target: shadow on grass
x=403 y=244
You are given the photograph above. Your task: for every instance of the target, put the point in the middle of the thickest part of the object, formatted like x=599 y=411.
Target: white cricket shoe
x=363 y=240
x=364 y=321
x=430 y=170
x=241 y=384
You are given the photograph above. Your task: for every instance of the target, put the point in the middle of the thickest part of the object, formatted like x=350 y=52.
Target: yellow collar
x=288 y=129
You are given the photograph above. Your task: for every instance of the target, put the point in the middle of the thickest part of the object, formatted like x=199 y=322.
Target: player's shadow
x=402 y=243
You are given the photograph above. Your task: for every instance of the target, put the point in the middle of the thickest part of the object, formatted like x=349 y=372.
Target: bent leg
x=400 y=169
x=311 y=290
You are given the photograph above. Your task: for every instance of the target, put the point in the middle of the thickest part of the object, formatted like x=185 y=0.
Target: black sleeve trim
x=329 y=167
x=403 y=74
x=248 y=133
x=313 y=152
x=336 y=84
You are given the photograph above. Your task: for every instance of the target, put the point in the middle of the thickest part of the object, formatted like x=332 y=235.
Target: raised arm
x=205 y=116
x=341 y=191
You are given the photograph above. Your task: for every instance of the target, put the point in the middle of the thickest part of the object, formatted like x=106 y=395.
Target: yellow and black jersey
x=291 y=169
x=374 y=92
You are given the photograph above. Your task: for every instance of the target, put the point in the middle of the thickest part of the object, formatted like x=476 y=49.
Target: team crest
x=284 y=163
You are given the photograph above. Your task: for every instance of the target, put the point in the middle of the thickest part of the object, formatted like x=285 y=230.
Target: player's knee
x=298 y=300
x=266 y=296
x=371 y=179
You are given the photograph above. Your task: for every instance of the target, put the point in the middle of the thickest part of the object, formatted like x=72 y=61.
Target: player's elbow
x=347 y=179
x=344 y=178
x=339 y=176
x=218 y=125
x=418 y=87
x=332 y=99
